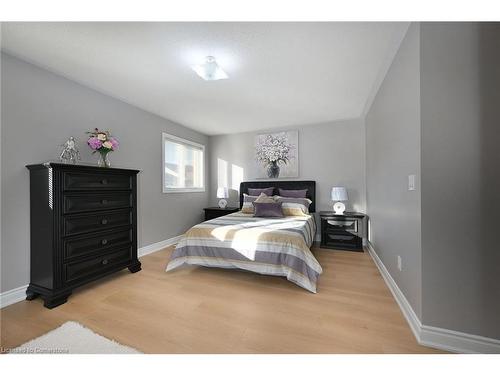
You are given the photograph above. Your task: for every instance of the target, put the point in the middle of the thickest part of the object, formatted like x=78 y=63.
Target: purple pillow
x=256 y=192
x=268 y=209
x=293 y=193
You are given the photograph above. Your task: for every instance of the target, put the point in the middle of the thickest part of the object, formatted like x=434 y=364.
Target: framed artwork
x=277 y=154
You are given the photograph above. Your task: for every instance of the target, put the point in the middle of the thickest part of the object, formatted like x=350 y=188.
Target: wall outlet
x=400 y=263
x=411 y=182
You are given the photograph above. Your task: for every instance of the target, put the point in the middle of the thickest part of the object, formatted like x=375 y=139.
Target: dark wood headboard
x=286 y=184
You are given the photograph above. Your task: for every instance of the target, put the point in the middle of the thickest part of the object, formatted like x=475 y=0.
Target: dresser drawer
x=75 y=271
x=96 y=181
x=95 y=243
x=92 y=202
x=76 y=224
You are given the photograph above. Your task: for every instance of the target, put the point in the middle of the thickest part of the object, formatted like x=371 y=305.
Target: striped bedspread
x=269 y=246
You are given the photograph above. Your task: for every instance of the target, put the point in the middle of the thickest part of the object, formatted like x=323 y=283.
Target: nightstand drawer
x=340 y=237
x=347 y=225
x=341 y=240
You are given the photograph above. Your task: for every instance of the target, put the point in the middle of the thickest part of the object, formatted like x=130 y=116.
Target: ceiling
x=280 y=74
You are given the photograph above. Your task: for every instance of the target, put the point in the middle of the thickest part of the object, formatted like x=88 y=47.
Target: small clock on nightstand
x=343 y=231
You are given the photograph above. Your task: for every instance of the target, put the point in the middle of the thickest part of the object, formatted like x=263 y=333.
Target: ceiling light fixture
x=210 y=71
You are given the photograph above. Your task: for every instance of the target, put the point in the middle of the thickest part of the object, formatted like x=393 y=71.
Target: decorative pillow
x=293 y=193
x=268 y=209
x=247 y=207
x=256 y=192
x=295 y=206
x=263 y=198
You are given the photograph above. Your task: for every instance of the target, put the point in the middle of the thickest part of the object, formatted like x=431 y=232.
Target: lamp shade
x=339 y=194
x=222 y=192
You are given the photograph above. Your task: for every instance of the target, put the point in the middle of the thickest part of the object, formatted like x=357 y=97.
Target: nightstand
x=214 y=212
x=344 y=231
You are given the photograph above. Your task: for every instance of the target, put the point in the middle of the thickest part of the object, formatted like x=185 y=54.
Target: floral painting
x=276 y=155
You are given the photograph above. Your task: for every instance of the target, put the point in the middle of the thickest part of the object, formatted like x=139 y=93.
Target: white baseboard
x=12 y=296
x=458 y=342
x=400 y=298
x=434 y=337
x=19 y=294
x=157 y=246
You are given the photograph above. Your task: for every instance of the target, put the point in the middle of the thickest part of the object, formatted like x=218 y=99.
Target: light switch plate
x=411 y=182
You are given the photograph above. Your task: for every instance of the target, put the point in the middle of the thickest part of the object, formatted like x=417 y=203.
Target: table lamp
x=339 y=194
x=222 y=193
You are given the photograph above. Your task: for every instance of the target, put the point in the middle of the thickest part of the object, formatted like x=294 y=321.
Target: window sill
x=168 y=191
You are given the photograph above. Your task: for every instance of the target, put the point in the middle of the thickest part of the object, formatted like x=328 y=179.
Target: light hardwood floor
x=202 y=310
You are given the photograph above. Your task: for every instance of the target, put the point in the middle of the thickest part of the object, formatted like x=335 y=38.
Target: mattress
x=269 y=246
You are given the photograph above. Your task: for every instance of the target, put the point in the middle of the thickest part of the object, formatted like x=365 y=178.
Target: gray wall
x=332 y=154
x=1 y=180
x=436 y=116
x=393 y=153
x=40 y=110
x=460 y=65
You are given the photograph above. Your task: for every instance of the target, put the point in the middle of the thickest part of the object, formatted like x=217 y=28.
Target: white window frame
x=170 y=137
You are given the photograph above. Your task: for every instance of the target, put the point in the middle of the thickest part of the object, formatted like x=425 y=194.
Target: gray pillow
x=268 y=209
x=293 y=193
x=256 y=192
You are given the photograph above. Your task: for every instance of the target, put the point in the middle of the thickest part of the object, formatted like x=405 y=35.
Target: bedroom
x=212 y=188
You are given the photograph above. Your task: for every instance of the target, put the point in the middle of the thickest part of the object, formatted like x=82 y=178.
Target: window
x=183 y=165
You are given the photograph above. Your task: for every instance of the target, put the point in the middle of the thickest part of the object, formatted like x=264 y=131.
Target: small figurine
x=70 y=152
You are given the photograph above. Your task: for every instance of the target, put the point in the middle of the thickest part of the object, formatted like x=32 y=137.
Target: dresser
x=83 y=227
x=343 y=231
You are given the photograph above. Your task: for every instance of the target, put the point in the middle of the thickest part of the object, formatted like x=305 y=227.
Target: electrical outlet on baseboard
x=400 y=263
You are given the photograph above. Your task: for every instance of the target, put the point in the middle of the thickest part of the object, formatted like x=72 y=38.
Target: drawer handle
x=104 y=262
x=104 y=242
x=104 y=201
x=104 y=221
x=104 y=182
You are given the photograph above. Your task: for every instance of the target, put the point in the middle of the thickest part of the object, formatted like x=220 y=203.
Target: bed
x=269 y=246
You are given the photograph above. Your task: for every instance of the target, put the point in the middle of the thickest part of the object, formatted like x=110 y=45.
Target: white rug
x=73 y=338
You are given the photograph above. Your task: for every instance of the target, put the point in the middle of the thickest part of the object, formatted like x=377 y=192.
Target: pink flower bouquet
x=102 y=142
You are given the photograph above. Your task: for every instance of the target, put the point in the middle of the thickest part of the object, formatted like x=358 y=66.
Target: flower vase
x=273 y=170
x=103 y=160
